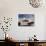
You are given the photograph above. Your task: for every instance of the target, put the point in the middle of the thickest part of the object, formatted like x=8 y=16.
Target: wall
x=11 y=8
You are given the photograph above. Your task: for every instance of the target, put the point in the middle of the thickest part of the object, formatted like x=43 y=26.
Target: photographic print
x=25 y=19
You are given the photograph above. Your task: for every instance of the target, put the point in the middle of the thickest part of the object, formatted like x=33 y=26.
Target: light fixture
x=35 y=3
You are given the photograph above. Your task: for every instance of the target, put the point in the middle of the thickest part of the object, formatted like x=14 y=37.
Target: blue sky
x=26 y=16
